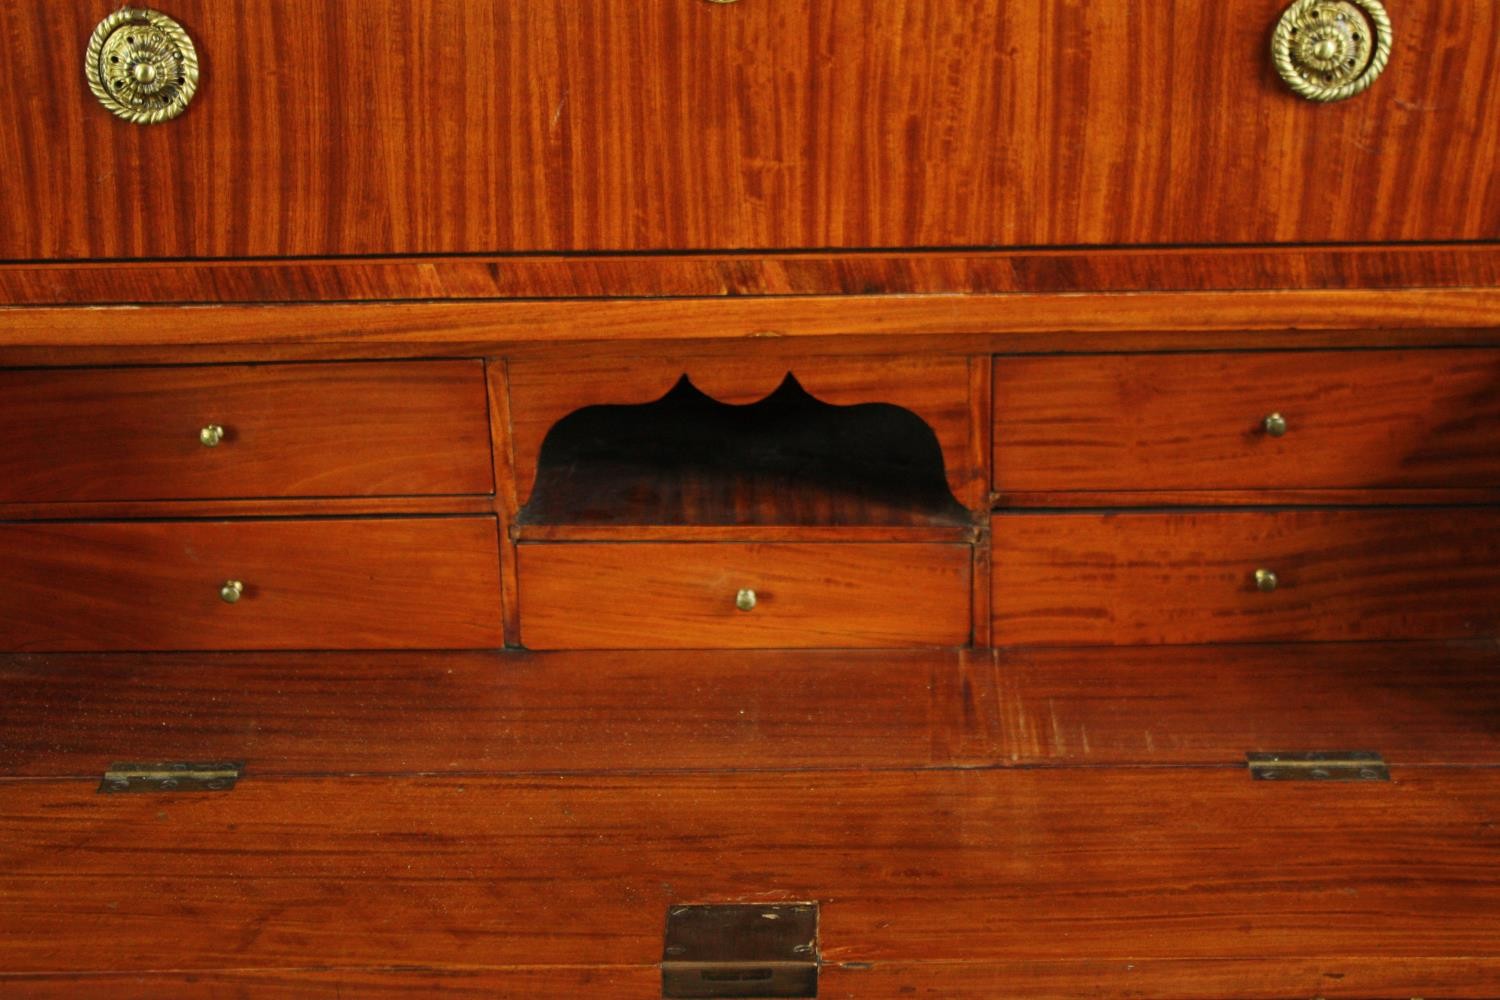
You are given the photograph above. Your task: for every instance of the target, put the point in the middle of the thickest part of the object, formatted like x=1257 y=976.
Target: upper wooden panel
x=429 y=126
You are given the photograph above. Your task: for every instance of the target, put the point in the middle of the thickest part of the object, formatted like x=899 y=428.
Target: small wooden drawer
x=1335 y=575
x=297 y=430
x=1314 y=420
x=743 y=596
x=410 y=583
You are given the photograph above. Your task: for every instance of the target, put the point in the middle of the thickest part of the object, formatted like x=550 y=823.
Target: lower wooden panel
x=1125 y=578
x=1023 y=873
x=326 y=584
x=1357 y=978
x=683 y=596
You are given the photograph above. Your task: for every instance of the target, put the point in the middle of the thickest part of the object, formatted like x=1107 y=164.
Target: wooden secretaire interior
x=855 y=498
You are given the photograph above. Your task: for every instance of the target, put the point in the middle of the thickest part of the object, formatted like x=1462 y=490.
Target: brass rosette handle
x=1331 y=50
x=142 y=66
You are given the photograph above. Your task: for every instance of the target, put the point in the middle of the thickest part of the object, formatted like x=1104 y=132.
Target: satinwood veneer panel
x=1021 y=870
x=1190 y=577
x=1349 y=419
x=580 y=595
x=392 y=429
x=557 y=125
x=411 y=583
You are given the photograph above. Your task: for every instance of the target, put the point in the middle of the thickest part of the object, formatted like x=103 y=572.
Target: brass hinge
x=171 y=777
x=1318 y=765
x=741 y=951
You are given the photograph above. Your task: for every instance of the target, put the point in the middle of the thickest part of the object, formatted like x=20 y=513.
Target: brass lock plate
x=741 y=951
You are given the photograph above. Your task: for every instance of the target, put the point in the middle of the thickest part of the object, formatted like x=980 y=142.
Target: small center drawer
x=245 y=431
x=743 y=595
x=1246 y=576
x=1238 y=420
x=408 y=583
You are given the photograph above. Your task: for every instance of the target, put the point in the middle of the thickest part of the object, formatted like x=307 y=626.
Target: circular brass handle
x=745 y=600
x=231 y=591
x=211 y=435
x=1330 y=50
x=1275 y=425
x=1266 y=581
x=142 y=66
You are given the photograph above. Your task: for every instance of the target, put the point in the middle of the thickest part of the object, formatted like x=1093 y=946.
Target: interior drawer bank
x=1246 y=576
x=1248 y=420
x=395 y=583
x=230 y=431
x=716 y=595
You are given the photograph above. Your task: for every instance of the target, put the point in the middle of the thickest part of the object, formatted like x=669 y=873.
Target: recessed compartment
x=1246 y=576
x=785 y=460
x=743 y=595
x=397 y=583
x=245 y=431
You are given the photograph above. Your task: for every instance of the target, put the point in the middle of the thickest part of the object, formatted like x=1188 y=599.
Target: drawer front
x=1352 y=419
x=378 y=429
x=687 y=596
x=413 y=583
x=1121 y=579
x=554 y=125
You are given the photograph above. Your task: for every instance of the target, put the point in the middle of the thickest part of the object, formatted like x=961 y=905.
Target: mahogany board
x=389 y=429
x=557 y=125
x=1353 y=419
x=378 y=583
x=520 y=713
x=1025 y=871
x=1143 y=577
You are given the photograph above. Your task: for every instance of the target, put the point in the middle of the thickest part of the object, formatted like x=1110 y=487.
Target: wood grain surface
x=1381 y=419
x=572 y=125
x=290 y=431
x=783 y=327
x=315 y=584
x=1355 y=978
x=656 y=595
x=516 y=712
x=1188 y=577
x=990 y=868
x=1101 y=269
x=1416 y=703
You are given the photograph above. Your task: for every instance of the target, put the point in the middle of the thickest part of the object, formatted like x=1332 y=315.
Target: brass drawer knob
x=1275 y=425
x=1330 y=50
x=1266 y=581
x=211 y=435
x=231 y=591
x=142 y=66
x=745 y=600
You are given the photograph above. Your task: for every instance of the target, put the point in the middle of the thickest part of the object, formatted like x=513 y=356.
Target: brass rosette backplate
x=1330 y=50
x=142 y=66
